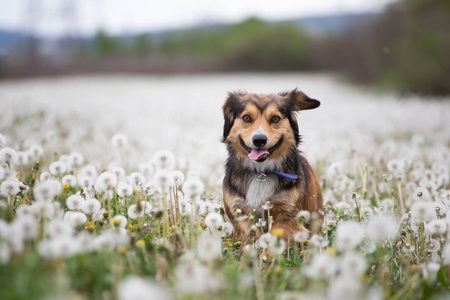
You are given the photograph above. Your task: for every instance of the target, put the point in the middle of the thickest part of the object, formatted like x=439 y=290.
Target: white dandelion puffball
x=301 y=236
x=57 y=168
x=424 y=211
x=147 y=207
x=193 y=187
x=47 y=190
x=178 y=177
x=75 y=219
x=353 y=264
x=9 y=187
x=75 y=202
x=69 y=180
x=381 y=228
x=22 y=158
x=85 y=182
x=323 y=266
x=213 y=220
x=209 y=247
x=227 y=229
x=348 y=236
x=59 y=228
x=76 y=159
x=121 y=219
x=45 y=176
x=105 y=181
x=164 y=159
x=163 y=179
x=278 y=247
x=119 y=171
x=135 y=212
x=304 y=215
x=436 y=227
x=137 y=179
x=267 y=240
x=134 y=287
x=124 y=190
x=87 y=171
x=119 y=141
x=8 y=156
x=91 y=206
x=35 y=152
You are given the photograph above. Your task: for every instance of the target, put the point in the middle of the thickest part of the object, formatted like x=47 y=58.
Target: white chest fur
x=260 y=192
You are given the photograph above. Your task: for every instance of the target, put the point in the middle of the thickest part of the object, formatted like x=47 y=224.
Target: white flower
x=352 y=264
x=45 y=176
x=343 y=287
x=317 y=241
x=178 y=177
x=381 y=228
x=9 y=187
x=193 y=277
x=267 y=240
x=446 y=255
x=91 y=206
x=163 y=179
x=436 y=227
x=348 y=236
x=323 y=266
x=75 y=219
x=98 y=215
x=22 y=158
x=85 y=182
x=278 y=247
x=57 y=168
x=209 y=247
x=118 y=171
x=147 y=206
x=124 y=190
x=424 y=211
x=227 y=229
x=137 y=179
x=8 y=156
x=135 y=212
x=132 y=288
x=119 y=141
x=122 y=220
x=70 y=180
x=164 y=159
x=105 y=181
x=35 y=152
x=193 y=187
x=75 y=202
x=47 y=190
x=301 y=236
x=87 y=171
x=213 y=220
x=27 y=226
x=76 y=159
x=59 y=228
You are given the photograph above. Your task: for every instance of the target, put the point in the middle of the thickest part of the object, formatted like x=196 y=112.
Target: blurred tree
x=105 y=45
x=141 y=45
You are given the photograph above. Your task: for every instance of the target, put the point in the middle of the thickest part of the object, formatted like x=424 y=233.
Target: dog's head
x=263 y=127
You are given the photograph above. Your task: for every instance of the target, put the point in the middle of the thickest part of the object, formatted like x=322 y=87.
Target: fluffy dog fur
x=273 y=116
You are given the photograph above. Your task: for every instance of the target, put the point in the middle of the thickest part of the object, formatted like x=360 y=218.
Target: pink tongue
x=257 y=154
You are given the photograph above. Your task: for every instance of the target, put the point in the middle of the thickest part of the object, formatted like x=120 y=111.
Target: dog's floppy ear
x=299 y=101
x=231 y=108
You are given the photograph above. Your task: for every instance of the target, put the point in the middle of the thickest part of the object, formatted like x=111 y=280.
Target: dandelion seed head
x=88 y=171
x=75 y=202
x=45 y=176
x=2 y=141
x=121 y=219
x=35 y=152
x=267 y=240
x=348 y=236
x=75 y=218
x=209 y=247
x=106 y=181
x=353 y=264
x=323 y=266
x=134 y=287
x=193 y=187
x=59 y=228
x=85 y=182
x=76 y=159
x=8 y=156
x=91 y=206
x=381 y=228
x=301 y=236
x=9 y=187
x=164 y=159
x=57 y=168
x=135 y=212
x=22 y=158
x=69 y=180
x=424 y=211
x=178 y=177
x=119 y=141
x=124 y=190
x=213 y=220
x=163 y=179
x=47 y=190
x=304 y=216
x=137 y=179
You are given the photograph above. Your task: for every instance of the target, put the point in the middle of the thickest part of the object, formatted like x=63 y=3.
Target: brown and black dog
x=264 y=164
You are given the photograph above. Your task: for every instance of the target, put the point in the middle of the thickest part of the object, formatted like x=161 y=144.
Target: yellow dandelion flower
x=132 y=227
x=66 y=186
x=122 y=249
x=278 y=232
x=140 y=243
x=331 y=250
x=90 y=226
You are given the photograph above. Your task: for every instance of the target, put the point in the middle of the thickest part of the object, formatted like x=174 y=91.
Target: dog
x=265 y=173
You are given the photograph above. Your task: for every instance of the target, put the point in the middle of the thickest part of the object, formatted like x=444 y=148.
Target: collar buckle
x=261 y=177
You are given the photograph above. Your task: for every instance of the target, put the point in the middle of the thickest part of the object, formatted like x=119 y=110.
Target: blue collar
x=263 y=175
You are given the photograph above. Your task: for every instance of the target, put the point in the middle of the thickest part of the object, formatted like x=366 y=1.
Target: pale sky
x=134 y=16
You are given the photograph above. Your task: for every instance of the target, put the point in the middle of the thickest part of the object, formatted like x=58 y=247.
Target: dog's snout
x=259 y=140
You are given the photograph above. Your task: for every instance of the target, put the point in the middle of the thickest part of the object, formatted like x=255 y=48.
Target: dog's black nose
x=259 y=140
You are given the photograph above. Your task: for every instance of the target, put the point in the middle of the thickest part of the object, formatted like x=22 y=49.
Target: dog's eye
x=275 y=119
x=247 y=119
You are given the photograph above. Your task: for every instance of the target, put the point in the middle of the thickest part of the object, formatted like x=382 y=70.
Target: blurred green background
x=405 y=48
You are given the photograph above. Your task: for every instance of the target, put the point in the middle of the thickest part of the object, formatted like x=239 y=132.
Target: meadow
x=110 y=188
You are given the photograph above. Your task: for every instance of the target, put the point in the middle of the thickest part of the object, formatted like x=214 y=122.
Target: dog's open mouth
x=260 y=155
